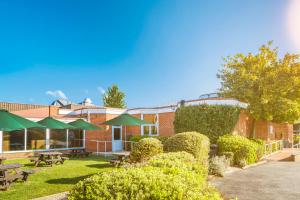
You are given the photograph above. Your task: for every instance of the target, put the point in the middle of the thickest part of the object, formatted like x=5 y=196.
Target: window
x=150 y=129
x=58 y=138
x=117 y=133
x=13 y=140
x=36 y=138
x=75 y=138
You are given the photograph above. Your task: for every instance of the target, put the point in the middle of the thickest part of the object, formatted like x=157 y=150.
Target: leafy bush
x=191 y=142
x=136 y=138
x=217 y=165
x=145 y=183
x=145 y=149
x=242 y=148
x=229 y=157
x=210 y=120
x=260 y=147
x=178 y=160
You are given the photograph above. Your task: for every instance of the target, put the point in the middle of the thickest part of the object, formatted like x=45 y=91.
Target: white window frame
x=150 y=125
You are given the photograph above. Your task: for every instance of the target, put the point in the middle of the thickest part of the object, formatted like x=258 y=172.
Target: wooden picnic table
x=49 y=158
x=120 y=157
x=79 y=153
x=12 y=172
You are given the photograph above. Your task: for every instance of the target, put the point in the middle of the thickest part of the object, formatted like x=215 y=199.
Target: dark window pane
x=75 y=138
x=117 y=134
x=146 y=130
x=153 y=130
x=13 y=140
x=58 y=138
x=36 y=138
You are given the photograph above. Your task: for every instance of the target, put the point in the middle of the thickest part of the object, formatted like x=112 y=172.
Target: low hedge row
x=166 y=176
x=245 y=151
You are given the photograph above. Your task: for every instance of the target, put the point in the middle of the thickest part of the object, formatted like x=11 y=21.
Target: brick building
x=26 y=142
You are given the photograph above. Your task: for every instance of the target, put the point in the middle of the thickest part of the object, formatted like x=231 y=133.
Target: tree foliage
x=269 y=84
x=210 y=120
x=113 y=97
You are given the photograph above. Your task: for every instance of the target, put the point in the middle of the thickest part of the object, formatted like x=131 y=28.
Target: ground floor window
x=36 y=138
x=13 y=140
x=58 y=138
x=150 y=129
x=75 y=138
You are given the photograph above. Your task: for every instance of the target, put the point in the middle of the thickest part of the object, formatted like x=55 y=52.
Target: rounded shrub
x=143 y=184
x=145 y=149
x=191 y=142
x=244 y=149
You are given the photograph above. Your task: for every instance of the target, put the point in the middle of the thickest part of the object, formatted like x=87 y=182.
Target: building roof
x=19 y=106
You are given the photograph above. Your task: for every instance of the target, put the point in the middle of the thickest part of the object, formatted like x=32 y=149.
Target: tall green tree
x=113 y=97
x=268 y=84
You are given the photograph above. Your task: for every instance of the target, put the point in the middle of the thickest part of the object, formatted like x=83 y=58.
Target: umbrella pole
x=125 y=139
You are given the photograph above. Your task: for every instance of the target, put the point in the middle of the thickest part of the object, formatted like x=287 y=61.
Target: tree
x=113 y=97
x=268 y=84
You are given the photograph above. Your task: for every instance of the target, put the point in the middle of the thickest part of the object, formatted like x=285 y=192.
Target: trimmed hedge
x=210 y=120
x=191 y=142
x=245 y=150
x=136 y=138
x=145 y=149
x=166 y=176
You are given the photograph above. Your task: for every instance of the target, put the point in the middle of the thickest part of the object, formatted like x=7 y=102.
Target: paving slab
x=275 y=180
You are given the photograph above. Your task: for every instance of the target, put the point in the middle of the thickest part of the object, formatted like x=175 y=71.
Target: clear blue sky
x=157 y=51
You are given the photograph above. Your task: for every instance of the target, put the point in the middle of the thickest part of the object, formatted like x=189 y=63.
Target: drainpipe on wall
x=67 y=138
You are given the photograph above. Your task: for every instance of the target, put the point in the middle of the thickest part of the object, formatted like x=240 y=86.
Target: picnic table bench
x=119 y=158
x=79 y=153
x=49 y=158
x=12 y=172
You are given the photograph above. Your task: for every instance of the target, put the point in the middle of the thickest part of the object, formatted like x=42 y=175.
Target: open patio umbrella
x=50 y=122
x=11 y=122
x=81 y=124
x=126 y=120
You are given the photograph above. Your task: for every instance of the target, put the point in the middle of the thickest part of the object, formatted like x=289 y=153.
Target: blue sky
x=156 y=51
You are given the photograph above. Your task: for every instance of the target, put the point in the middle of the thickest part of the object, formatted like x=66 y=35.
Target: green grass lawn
x=51 y=180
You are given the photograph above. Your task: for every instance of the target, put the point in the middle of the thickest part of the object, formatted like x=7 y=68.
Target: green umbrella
x=11 y=122
x=81 y=124
x=52 y=123
x=125 y=120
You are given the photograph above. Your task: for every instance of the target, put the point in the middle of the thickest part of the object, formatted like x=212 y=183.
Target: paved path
x=275 y=180
x=58 y=196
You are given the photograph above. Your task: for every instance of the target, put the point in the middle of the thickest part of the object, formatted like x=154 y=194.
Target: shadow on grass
x=73 y=180
x=100 y=165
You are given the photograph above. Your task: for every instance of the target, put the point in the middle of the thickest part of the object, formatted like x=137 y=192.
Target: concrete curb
x=255 y=164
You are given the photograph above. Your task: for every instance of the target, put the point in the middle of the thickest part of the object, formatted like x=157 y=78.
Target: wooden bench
x=26 y=173
x=115 y=162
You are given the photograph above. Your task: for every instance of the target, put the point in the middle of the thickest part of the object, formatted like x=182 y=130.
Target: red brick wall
x=166 y=127
x=133 y=130
x=244 y=125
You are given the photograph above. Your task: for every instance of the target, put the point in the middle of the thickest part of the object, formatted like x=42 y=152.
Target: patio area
x=52 y=180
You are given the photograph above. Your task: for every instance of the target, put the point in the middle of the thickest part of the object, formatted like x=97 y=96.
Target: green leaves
x=269 y=84
x=210 y=120
x=114 y=98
